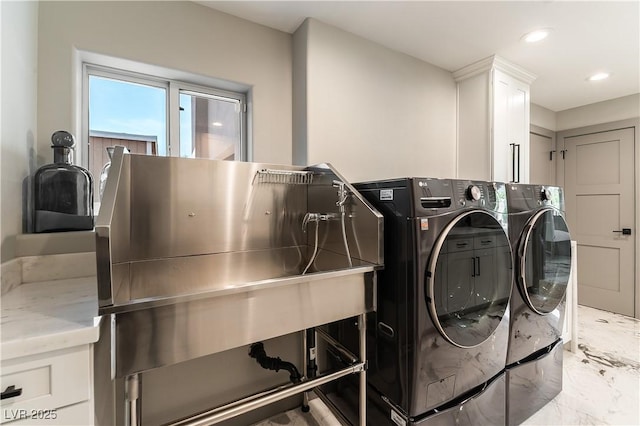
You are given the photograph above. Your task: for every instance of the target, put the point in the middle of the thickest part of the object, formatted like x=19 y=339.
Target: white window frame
x=128 y=77
x=173 y=88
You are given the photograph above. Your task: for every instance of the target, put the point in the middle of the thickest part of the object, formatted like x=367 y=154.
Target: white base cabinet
x=56 y=388
x=493 y=121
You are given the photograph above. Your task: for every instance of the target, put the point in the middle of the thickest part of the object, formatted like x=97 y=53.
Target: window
x=155 y=116
x=210 y=126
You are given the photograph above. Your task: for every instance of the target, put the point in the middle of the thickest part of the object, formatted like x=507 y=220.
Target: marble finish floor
x=601 y=382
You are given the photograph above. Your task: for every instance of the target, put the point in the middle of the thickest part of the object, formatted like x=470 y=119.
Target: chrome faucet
x=309 y=217
x=343 y=193
x=316 y=217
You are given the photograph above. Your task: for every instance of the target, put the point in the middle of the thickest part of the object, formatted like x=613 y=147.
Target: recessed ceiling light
x=535 y=36
x=599 y=76
x=216 y=124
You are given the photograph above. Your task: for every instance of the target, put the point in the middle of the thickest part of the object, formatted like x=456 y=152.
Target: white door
x=599 y=193
x=510 y=129
x=542 y=160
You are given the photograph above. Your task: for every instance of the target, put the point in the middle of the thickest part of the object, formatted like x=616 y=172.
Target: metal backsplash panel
x=362 y=228
x=171 y=227
x=189 y=207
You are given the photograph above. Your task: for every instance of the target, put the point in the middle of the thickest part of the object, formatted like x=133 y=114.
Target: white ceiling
x=587 y=37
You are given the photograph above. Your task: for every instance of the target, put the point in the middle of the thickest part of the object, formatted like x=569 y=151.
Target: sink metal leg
x=310 y=363
x=312 y=366
x=305 y=365
x=132 y=405
x=362 y=328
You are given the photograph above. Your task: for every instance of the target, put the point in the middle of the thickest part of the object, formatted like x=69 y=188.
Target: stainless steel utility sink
x=199 y=256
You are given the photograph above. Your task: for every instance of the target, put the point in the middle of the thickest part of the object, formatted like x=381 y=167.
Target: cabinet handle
x=518 y=146
x=11 y=392
x=515 y=164
x=478 y=261
x=473 y=265
x=625 y=231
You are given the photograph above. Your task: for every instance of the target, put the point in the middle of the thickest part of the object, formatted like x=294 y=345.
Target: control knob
x=545 y=194
x=473 y=193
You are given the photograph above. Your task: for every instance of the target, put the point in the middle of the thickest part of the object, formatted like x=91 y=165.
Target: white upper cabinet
x=493 y=121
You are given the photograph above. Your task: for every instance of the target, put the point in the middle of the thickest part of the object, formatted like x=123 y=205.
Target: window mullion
x=173 y=118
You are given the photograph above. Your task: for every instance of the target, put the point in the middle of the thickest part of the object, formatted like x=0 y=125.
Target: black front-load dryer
x=437 y=353
x=542 y=247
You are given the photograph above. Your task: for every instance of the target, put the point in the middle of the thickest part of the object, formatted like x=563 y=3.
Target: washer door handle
x=387 y=330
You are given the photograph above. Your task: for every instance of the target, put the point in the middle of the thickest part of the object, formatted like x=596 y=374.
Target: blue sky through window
x=124 y=107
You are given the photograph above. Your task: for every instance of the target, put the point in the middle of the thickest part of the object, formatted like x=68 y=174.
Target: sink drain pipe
x=276 y=364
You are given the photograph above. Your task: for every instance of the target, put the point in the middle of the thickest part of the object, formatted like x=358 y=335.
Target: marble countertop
x=45 y=316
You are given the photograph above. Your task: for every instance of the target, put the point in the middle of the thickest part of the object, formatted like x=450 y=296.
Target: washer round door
x=468 y=278
x=544 y=260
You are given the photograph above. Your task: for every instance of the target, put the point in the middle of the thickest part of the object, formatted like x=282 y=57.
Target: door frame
x=633 y=123
x=541 y=131
x=546 y=133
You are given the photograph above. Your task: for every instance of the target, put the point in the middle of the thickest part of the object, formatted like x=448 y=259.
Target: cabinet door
x=474 y=128
x=460 y=281
x=501 y=158
x=504 y=264
x=48 y=381
x=485 y=279
x=460 y=319
x=510 y=156
x=519 y=129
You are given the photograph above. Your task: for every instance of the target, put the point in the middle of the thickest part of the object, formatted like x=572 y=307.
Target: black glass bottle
x=63 y=192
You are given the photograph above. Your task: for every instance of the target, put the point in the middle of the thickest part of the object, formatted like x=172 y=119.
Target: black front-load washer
x=437 y=343
x=541 y=244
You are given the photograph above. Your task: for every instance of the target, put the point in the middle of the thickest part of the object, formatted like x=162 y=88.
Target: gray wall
x=188 y=37
x=598 y=117
x=18 y=111
x=190 y=387
x=609 y=111
x=370 y=111
x=543 y=117
x=599 y=113
x=178 y=35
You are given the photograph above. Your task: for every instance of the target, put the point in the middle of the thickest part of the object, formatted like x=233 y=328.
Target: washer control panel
x=435 y=195
x=477 y=194
x=473 y=193
x=545 y=194
x=523 y=197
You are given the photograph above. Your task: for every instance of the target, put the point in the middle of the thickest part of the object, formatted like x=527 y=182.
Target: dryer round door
x=544 y=260
x=468 y=278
